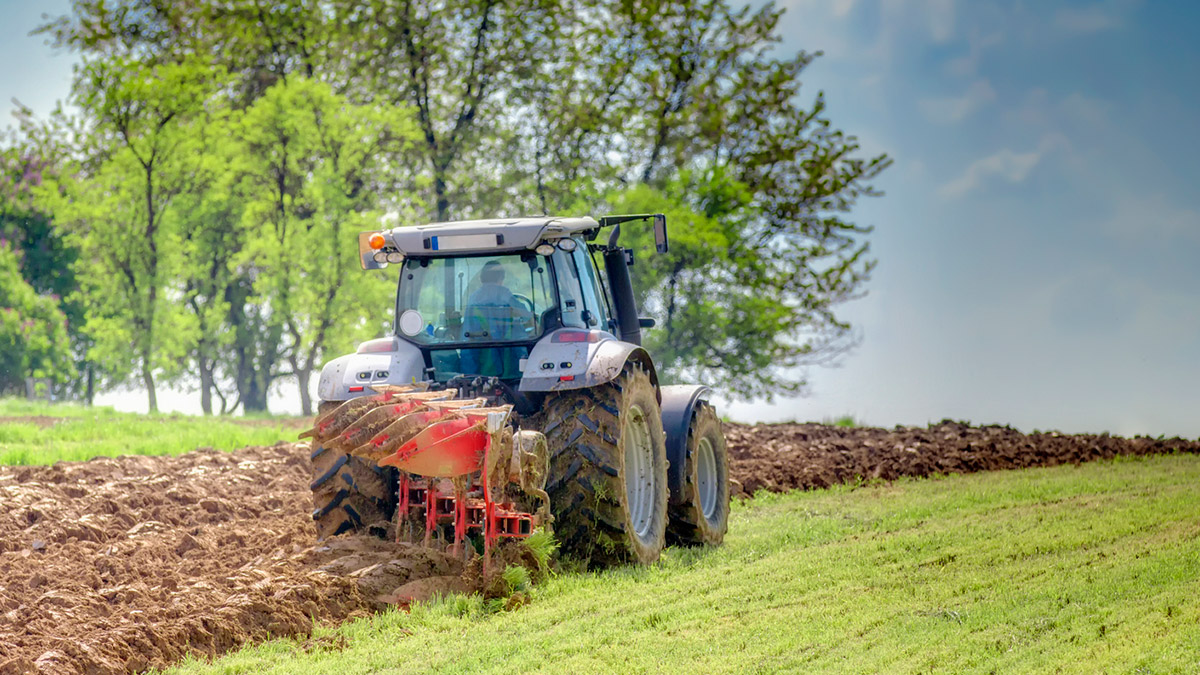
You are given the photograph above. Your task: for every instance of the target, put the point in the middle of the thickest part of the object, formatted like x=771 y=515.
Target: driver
x=492 y=307
x=492 y=313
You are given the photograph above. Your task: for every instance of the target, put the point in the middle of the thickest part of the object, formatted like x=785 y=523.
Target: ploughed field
x=122 y=564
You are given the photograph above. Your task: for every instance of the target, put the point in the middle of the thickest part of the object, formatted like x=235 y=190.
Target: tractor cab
x=520 y=301
x=482 y=313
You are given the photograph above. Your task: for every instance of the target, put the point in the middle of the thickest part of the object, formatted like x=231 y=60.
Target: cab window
x=496 y=298
x=570 y=293
x=597 y=312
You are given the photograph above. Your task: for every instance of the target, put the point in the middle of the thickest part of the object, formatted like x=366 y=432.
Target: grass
x=1082 y=569
x=845 y=421
x=80 y=433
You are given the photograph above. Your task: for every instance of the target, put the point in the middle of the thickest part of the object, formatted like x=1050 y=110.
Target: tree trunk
x=91 y=384
x=443 y=202
x=148 y=383
x=206 y=384
x=254 y=345
x=303 y=377
x=254 y=398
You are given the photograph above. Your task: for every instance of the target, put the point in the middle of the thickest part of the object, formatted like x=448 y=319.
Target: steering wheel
x=524 y=300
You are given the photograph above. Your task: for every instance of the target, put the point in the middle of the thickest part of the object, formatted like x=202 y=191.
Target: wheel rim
x=639 y=473
x=706 y=478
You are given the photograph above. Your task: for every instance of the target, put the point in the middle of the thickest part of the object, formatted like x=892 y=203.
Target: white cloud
x=957 y=108
x=968 y=64
x=940 y=14
x=1062 y=111
x=1090 y=111
x=1086 y=19
x=1006 y=164
x=1138 y=217
x=831 y=26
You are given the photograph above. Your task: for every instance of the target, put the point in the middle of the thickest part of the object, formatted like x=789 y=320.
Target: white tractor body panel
x=584 y=364
x=343 y=378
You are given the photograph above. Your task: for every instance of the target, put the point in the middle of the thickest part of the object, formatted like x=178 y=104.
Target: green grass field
x=83 y=433
x=1071 y=569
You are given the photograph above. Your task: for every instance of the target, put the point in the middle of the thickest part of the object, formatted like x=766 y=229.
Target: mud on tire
x=599 y=438
x=350 y=493
x=702 y=515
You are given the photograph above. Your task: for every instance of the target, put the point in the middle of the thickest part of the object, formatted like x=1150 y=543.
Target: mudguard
x=558 y=366
x=383 y=361
x=678 y=405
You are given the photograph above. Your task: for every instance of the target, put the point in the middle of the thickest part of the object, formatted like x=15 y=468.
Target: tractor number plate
x=455 y=242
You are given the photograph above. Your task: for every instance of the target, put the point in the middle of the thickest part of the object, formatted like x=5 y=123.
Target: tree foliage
x=45 y=258
x=725 y=309
x=325 y=116
x=33 y=331
x=310 y=166
x=119 y=208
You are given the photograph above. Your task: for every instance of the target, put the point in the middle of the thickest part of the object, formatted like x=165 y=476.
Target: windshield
x=496 y=298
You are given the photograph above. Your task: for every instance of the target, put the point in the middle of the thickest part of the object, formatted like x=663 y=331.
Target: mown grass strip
x=75 y=433
x=1084 y=569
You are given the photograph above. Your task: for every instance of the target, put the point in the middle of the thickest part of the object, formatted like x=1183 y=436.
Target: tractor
x=513 y=394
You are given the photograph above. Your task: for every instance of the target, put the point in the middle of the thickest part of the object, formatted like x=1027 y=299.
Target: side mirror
x=660 y=233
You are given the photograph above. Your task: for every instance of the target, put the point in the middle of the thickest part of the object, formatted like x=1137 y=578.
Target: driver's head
x=492 y=273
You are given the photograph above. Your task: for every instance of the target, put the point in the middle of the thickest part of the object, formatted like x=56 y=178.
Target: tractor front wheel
x=350 y=494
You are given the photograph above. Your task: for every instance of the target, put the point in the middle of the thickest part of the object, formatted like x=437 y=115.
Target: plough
x=459 y=461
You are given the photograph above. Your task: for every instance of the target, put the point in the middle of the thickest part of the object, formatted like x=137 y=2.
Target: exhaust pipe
x=616 y=265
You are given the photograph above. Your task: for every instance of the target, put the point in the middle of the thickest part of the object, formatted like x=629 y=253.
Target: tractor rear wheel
x=608 y=470
x=350 y=494
x=702 y=516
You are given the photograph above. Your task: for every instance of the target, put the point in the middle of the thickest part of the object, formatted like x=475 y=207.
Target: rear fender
x=559 y=366
x=383 y=361
x=679 y=403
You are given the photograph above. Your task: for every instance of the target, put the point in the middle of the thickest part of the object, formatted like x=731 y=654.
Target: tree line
x=193 y=218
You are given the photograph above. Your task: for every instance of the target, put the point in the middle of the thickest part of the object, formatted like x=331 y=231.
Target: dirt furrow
x=778 y=457
x=118 y=565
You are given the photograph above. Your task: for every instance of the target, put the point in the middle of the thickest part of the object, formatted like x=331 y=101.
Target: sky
x=1039 y=239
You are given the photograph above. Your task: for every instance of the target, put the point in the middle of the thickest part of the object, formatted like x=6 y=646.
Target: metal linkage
x=421 y=500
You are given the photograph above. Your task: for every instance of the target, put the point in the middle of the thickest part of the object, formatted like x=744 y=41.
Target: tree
x=117 y=209
x=209 y=219
x=312 y=167
x=46 y=259
x=726 y=304
x=33 y=331
x=453 y=64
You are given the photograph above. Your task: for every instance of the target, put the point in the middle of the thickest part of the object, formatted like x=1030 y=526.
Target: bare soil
x=778 y=457
x=124 y=564
x=119 y=565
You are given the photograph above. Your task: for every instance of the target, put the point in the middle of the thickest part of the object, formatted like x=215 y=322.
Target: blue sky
x=1039 y=240
x=1039 y=243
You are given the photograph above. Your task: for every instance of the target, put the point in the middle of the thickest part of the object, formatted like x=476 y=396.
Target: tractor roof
x=480 y=236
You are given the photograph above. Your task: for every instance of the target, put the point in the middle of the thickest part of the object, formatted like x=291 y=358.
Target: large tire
x=702 y=516
x=608 y=470
x=350 y=494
